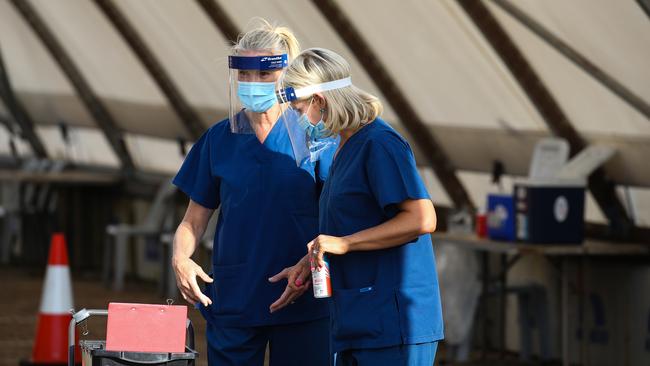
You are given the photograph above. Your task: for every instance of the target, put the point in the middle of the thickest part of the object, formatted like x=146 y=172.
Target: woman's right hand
x=186 y=273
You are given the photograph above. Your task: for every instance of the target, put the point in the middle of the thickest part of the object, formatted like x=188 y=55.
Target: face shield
x=253 y=87
x=314 y=136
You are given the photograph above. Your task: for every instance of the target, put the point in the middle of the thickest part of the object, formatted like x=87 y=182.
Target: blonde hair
x=263 y=35
x=348 y=107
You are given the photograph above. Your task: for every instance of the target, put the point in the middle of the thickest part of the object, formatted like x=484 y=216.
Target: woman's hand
x=186 y=272
x=185 y=240
x=326 y=244
x=297 y=283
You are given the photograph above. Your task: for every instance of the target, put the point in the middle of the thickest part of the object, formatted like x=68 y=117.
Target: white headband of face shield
x=290 y=94
x=330 y=85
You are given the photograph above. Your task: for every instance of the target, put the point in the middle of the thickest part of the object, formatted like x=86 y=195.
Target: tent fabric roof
x=457 y=84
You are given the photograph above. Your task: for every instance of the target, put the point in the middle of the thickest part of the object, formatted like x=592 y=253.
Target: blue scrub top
x=269 y=212
x=385 y=297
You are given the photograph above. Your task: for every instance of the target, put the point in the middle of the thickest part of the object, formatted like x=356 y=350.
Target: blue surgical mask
x=313 y=131
x=316 y=131
x=256 y=96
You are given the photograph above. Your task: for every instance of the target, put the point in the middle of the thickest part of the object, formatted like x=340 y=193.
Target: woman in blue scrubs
x=246 y=166
x=375 y=221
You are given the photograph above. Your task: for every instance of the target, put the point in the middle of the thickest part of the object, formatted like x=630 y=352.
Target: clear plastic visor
x=253 y=87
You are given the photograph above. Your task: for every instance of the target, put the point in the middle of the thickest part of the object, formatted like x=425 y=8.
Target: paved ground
x=19 y=304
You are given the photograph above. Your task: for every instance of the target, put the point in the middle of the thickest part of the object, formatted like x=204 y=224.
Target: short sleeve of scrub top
x=392 y=173
x=194 y=177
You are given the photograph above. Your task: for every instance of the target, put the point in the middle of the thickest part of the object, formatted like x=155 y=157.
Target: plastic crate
x=93 y=353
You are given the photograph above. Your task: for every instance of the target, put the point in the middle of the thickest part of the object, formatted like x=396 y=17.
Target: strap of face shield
x=290 y=94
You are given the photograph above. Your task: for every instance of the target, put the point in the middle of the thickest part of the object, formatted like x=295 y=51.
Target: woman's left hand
x=326 y=244
x=297 y=283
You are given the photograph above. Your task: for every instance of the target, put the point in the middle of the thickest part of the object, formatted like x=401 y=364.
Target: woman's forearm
x=185 y=241
x=394 y=232
x=416 y=219
x=190 y=231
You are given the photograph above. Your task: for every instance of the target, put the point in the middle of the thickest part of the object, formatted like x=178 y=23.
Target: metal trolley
x=94 y=352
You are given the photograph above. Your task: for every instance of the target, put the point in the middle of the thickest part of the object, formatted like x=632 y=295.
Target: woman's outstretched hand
x=298 y=281
x=186 y=273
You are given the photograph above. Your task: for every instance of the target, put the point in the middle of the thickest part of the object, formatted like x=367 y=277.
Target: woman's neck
x=345 y=136
x=263 y=123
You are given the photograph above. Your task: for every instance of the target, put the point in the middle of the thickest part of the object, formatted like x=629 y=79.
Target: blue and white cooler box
x=550 y=211
x=501 y=217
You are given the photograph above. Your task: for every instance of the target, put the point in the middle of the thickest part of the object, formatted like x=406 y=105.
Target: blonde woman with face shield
x=374 y=224
x=246 y=165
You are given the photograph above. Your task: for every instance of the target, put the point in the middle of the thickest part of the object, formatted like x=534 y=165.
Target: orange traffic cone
x=51 y=343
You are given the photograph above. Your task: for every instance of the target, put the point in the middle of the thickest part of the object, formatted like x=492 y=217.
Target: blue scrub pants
x=422 y=354
x=289 y=344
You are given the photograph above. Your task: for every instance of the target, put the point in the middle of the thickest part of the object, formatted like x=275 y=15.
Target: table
x=64 y=177
x=563 y=251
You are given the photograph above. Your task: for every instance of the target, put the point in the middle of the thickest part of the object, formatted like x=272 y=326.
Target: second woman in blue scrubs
x=246 y=165
x=375 y=220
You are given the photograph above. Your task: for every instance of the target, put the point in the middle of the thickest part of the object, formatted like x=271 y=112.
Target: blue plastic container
x=501 y=217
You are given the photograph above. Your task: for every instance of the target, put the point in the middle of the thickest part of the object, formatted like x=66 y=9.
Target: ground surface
x=20 y=300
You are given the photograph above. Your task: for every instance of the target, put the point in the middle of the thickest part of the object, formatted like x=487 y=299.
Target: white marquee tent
x=457 y=83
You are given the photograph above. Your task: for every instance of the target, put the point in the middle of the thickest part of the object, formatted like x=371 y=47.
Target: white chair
x=36 y=197
x=10 y=218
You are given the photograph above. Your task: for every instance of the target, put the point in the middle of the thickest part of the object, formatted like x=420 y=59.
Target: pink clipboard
x=146 y=328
